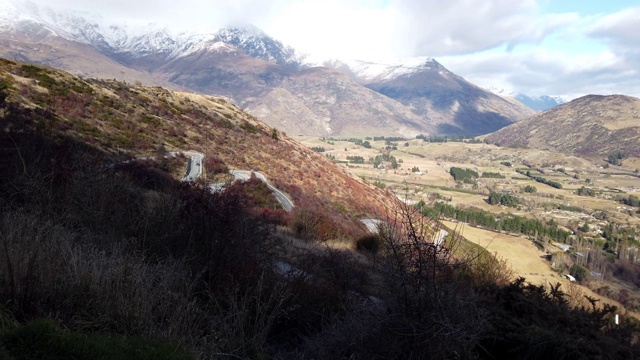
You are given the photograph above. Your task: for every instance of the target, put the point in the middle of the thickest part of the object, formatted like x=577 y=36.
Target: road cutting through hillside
x=194 y=171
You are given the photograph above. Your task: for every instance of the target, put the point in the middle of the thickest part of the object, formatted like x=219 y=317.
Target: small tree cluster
x=585 y=191
x=503 y=199
x=493 y=175
x=616 y=158
x=464 y=175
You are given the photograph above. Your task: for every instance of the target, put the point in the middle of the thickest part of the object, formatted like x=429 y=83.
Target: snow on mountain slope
x=136 y=39
x=538 y=103
x=10 y=16
x=367 y=71
x=255 y=43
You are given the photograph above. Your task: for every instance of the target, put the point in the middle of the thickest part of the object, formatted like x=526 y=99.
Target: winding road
x=194 y=171
x=372 y=225
x=283 y=199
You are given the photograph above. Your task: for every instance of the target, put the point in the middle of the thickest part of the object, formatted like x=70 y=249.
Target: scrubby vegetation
x=585 y=191
x=630 y=200
x=385 y=157
x=444 y=139
x=616 y=158
x=110 y=259
x=355 y=159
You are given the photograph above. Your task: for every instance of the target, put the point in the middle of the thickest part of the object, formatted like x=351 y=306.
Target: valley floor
x=588 y=198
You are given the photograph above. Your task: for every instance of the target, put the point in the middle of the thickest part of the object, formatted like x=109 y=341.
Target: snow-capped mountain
x=259 y=73
x=368 y=71
x=454 y=105
x=538 y=103
x=131 y=40
x=91 y=29
x=255 y=43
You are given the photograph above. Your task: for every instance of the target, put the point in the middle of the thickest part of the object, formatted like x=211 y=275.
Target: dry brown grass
x=520 y=252
x=525 y=260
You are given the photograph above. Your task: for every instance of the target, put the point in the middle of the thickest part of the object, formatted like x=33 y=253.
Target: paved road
x=282 y=198
x=440 y=236
x=372 y=225
x=194 y=171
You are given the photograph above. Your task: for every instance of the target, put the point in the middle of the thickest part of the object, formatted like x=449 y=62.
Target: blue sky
x=586 y=7
x=565 y=48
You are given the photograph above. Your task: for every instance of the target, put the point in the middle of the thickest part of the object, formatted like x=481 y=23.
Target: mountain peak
x=367 y=71
x=257 y=44
x=131 y=40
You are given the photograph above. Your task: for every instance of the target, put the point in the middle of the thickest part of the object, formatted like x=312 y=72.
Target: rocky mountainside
x=316 y=101
x=258 y=73
x=451 y=104
x=592 y=126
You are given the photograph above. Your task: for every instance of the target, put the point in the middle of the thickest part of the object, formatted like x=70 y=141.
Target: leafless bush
x=625 y=271
x=347 y=337
x=575 y=296
x=244 y=319
x=305 y=223
x=431 y=305
x=486 y=269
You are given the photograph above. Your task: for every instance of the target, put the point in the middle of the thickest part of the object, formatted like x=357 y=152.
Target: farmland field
x=586 y=196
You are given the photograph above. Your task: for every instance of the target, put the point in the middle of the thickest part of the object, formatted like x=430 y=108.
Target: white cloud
x=620 y=32
x=461 y=26
x=542 y=72
x=491 y=42
x=334 y=28
x=587 y=55
x=368 y=28
x=401 y=28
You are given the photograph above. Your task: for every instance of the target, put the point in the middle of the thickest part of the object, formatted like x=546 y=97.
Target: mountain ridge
x=592 y=126
x=257 y=71
x=454 y=105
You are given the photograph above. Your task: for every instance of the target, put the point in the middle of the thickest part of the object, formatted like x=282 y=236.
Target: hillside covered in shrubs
x=130 y=120
x=106 y=259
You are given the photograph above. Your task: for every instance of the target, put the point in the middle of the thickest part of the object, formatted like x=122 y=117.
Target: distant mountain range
x=591 y=126
x=538 y=103
x=260 y=74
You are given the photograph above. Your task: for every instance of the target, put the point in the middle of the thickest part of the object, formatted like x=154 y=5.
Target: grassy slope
x=142 y=121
